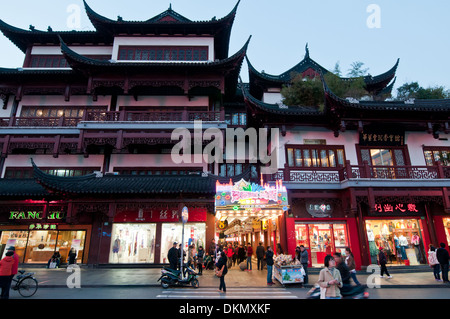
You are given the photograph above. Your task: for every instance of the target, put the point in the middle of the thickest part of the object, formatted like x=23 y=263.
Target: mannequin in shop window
x=116 y=248
x=415 y=241
x=372 y=245
x=403 y=242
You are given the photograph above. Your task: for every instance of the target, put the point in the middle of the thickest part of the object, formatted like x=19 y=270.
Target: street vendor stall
x=287 y=271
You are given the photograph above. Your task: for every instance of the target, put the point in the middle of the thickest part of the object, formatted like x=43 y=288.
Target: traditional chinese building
x=360 y=174
x=94 y=110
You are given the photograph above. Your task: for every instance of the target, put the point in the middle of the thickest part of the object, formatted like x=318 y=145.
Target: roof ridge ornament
x=307 y=51
x=410 y=101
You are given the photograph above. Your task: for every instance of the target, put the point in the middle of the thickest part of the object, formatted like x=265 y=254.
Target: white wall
x=272 y=98
x=58 y=100
x=148 y=161
x=417 y=140
x=161 y=101
x=84 y=50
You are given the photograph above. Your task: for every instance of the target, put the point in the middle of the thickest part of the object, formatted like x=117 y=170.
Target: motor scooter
x=347 y=292
x=171 y=277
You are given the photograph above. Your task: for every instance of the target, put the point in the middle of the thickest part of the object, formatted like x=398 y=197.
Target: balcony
x=350 y=172
x=121 y=116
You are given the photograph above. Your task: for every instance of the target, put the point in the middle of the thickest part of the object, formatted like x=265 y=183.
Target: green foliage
x=303 y=91
x=357 y=70
x=354 y=88
x=412 y=90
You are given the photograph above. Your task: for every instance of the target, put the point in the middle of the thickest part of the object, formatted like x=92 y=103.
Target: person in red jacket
x=230 y=254
x=249 y=256
x=6 y=265
x=14 y=270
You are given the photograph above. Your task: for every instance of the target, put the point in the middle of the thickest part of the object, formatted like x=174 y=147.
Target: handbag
x=218 y=273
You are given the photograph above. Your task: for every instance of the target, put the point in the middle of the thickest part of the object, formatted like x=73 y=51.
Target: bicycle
x=26 y=284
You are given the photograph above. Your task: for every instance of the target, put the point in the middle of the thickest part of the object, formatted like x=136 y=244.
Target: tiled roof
x=21 y=187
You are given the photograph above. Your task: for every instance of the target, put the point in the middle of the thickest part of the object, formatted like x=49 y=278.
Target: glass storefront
x=133 y=243
x=401 y=240
x=194 y=233
x=321 y=239
x=38 y=246
x=447 y=229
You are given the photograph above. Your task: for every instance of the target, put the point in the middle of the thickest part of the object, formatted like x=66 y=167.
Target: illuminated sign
x=319 y=208
x=398 y=208
x=43 y=227
x=245 y=198
x=32 y=215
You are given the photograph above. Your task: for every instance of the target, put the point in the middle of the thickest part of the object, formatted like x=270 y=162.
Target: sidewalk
x=147 y=277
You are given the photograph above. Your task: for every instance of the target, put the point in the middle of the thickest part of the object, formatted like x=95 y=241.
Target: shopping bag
x=52 y=265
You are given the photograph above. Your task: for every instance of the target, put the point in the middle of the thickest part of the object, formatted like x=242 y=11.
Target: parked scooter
x=171 y=277
x=347 y=292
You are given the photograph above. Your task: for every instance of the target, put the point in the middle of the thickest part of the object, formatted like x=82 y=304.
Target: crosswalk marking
x=232 y=293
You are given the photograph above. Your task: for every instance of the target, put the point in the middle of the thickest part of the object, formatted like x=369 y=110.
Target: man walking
x=173 y=256
x=443 y=259
x=249 y=256
x=269 y=262
x=260 y=255
x=304 y=259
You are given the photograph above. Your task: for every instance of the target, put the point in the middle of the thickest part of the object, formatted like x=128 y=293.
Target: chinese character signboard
x=398 y=209
x=378 y=137
x=319 y=208
x=163 y=215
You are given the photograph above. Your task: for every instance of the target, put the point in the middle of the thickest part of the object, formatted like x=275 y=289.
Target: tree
x=357 y=70
x=412 y=90
x=303 y=91
x=354 y=88
x=337 y=69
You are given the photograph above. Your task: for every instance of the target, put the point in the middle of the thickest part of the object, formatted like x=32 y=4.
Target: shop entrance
x=38 y=246
x=447 y=229
x=321 y=239
x=401 y=240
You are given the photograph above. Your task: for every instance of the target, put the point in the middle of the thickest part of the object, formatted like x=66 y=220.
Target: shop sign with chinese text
x=380 y=137
x=398 y=209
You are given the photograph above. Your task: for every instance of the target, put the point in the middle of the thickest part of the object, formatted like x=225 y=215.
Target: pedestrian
x=222 y=271
x=72 y=256
x=330 y=280
x=434 y=263
x=190 y=257
x=172 y=255
x=6 y=269
x=14 y=269
x=209 y=264
x=343 y=270
x=230 y=254
x=269 y=263
x=304 y=260
x=212 y=249
x=180 y=249
x=235 y=255
x=350 y=262
x=200 y=255
x=260 y=253
x=249 y=256
x=241 y=253
x=56 y=259
x=443 y=257
x=279 y=249
x=382 y=261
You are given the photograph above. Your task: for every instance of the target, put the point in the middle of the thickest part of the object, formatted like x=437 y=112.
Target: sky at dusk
x=375 y=32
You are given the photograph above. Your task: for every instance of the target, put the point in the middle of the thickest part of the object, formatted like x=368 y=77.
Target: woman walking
x=330 y=280
x=434 y=263
x=222 y=271
x=350 y=262
x=200 y=255
x=382 y=261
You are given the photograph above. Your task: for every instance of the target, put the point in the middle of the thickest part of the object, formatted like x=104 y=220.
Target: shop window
x=315 y=156
x=194 y=233
x=384 y=156
x=39 y=246
x=133 y=243
x=238 y=118
x=322 y=239
x=447 y=229
x=437 y=154
x=56 y=111
x=401 y=240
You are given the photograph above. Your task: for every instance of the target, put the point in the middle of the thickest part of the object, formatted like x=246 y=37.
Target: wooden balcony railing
x=120 y=116
x=341 y=173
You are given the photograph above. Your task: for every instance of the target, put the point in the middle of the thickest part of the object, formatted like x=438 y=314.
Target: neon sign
x=22 y=215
